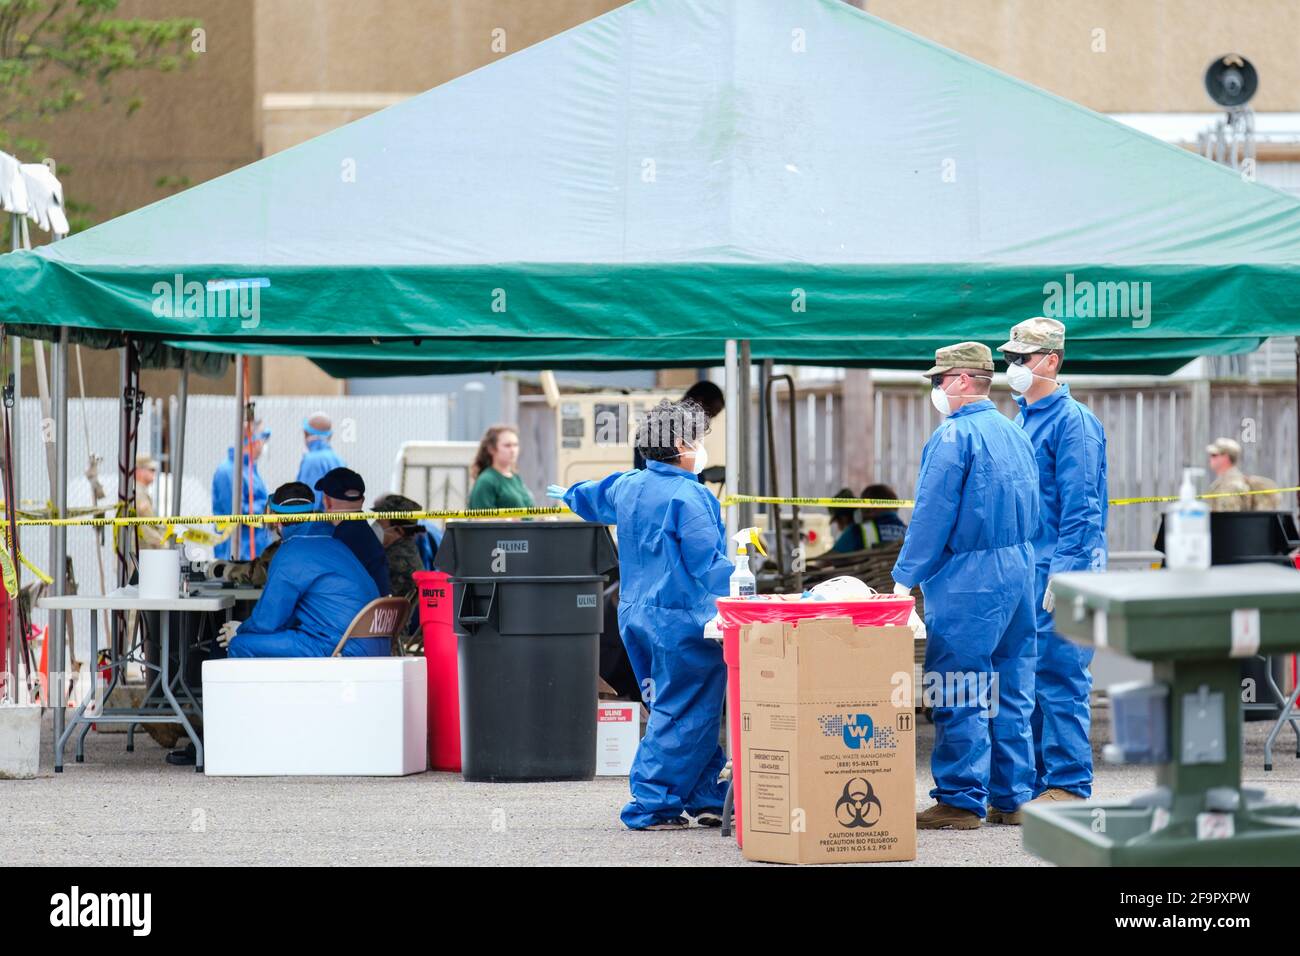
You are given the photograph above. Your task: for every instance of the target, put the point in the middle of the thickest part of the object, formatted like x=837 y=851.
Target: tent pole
x=733 y=438
x=15 y=623
x=237 y=473
x=764 y=378
x=178 y=434
x=58 y=628
x=745 y=423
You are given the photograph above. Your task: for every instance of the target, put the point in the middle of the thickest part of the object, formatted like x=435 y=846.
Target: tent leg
x=745 y=478
x=237 y=472
x=733 y=438
x=14 y=636
x=764 y=378
x=178 y=434
x=13 y=658
x=58 y=623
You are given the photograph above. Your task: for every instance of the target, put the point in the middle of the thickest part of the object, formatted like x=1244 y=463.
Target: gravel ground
x=131 y=809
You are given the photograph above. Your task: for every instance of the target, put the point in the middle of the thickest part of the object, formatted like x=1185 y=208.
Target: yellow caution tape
x=9 y=575
x=48 y=511
x=1216 y=494
x=45 y=578
x=907 y=503
x=225 y=522
x=201 y=537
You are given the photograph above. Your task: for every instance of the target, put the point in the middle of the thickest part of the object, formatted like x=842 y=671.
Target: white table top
x=128 y=599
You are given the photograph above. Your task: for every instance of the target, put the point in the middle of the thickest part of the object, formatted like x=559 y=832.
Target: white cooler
x=350 y=716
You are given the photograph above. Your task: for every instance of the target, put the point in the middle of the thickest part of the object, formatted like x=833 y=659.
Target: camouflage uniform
x=253 y=573
x=1231 y=482
x=403 y=561
x=151 y=535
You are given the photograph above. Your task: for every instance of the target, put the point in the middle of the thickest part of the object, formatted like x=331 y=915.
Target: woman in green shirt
x=496 y=484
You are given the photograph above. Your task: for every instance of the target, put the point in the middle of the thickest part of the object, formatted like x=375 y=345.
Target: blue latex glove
x=556 y=491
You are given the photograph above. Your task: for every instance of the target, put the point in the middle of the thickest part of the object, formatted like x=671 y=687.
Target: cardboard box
x=618 y=733
x=828 y=740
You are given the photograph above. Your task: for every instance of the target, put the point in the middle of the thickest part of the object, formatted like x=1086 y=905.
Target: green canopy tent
x=698 y=169
x=344 y=358
x=692 y=174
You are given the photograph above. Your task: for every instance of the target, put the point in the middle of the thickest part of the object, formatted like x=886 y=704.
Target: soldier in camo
x=1228 y=479
x=398 y=537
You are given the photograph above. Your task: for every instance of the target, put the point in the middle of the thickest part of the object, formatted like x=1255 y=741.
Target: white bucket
x=20 y=742
x=160 y=574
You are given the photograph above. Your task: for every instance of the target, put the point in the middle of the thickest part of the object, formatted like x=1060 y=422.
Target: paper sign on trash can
x=618 y=732
x=828 y=742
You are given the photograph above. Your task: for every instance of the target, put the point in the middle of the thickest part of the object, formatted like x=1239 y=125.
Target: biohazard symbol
x=858 y=805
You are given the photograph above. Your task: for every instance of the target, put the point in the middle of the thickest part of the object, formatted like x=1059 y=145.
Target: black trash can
x=528 y=615
x=493 y=549
x=1253 y=537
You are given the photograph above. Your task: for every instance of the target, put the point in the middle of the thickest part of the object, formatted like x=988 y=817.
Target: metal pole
x=15 y=624
x=764 y=377
x=178 y=434
x=237 y=474
x=733 y=438
x=744 y=479
x=58 y=628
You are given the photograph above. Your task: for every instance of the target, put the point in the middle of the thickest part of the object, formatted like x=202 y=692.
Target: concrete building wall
x=1152 y=55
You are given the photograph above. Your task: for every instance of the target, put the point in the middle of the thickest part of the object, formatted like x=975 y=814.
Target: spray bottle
x=1187 y=528
x=742 y=579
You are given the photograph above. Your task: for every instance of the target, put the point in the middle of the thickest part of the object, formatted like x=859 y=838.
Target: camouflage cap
x=1036 y=335
x=1224 y=446
x=395 y=502
x=962 y=355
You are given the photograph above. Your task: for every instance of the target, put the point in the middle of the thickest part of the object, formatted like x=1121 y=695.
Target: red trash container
x=436 y=614
x=882 y=611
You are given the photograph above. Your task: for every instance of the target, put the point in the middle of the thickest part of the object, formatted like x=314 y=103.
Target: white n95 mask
x=1021 y=377
x=939 y=399
x=701 y=458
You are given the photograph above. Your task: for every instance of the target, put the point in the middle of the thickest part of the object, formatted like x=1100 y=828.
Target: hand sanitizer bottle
x=1187 y=529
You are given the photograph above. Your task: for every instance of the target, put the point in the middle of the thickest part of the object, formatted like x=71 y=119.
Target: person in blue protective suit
x=673 y=566
x=1070 y=446
x=314 y=588
x=320 y=456
x=250 y=545
x=344 y=490
x=968 y=547
x=709 y=397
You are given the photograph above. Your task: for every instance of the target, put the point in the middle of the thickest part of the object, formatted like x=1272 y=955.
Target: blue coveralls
x=221 y=505
x=968 y=548
x=428 y=542
x=672 y=567
x=314 y=588
x=1070 y=446
x=318 y=459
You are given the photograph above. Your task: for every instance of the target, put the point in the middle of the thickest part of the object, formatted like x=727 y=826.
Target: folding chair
x=382 y=617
